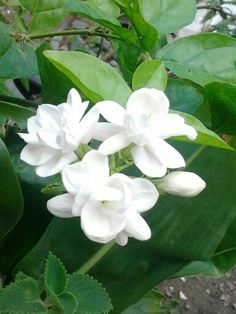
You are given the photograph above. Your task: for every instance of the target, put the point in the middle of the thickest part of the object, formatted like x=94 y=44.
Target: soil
x=202 y=295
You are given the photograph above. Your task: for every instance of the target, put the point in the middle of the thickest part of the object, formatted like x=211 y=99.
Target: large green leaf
x=16 y=60
x=205 y=136
x=203 y=58
x=45 y=15
x=222 y=97
x=13 y=114
x=11 y=201
x=93 y=12
x=108 y=6
x=183 y=96
x=93 y=77
x=169 y=15
x=179 y=227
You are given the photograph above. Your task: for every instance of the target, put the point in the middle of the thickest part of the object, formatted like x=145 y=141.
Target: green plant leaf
x=150 y=74
x=91 y=296
x=205 y=136
x=10 y=51
x=168 y=16
x=45 y=15
x=21 y=297
x=55 y=275
x=221 y=97
x=96 y=14
x=93 y=77
x=11 y=204
x=183 y=96
x=54 y=186
x=147 y=34
x=12 y=114
x=203 y=58
x=65 y=303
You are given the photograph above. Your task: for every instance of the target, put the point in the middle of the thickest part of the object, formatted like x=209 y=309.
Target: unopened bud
x=181 y=183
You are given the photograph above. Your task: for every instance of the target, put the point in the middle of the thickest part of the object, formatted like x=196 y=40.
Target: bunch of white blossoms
x=109 y=203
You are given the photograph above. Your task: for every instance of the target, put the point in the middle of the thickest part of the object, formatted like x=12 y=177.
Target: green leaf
x=45 y=15
x=183 y=96
x=203 y=58
x=152 y=302
x=10 y=51
x=11 y=114
x=55 y=275
x=205 y=136
x=150 y=74
x=128 y=57
x=147 y=34
x=93 y=77
x=91 y=296
x=65 y=303
x=168 y=16
x=11 y=204
x=21 y=297
x=107 y=6
x=221 y=97
x=96 y=14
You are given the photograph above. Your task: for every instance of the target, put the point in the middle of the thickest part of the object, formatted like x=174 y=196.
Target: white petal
x=33 y=124
x=87 y=126
x=111 y=111
x=73 y=97
x=36 y=155
x=107 y=193
x=144 y=196
x=148 y=101
x=122 y=238
x=49 y=137
x=55 y=165
x=137 y=227
x=173 y=125
x=114 y=143
x=61 y=205
x=147 y=162
x=91 y=172
x=166 y=154
x=30 y=138
x=49 y=116
x=105 y=129
x=97 y=225
x=80 y=200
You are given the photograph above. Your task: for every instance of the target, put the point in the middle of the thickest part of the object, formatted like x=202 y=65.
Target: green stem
x=95 y=258
x=68 y=32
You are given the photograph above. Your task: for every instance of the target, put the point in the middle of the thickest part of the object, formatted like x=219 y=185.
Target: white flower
x=146 y=124
x=55 y=132
x=109 y=206
x=182 y=183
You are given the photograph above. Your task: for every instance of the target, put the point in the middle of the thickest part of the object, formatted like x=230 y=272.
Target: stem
x=68 y=32
x=95 y=258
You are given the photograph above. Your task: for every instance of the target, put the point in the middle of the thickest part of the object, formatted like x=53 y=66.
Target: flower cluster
x=109 y=203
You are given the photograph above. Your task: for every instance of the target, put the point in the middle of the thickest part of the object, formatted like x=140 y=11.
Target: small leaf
x=91 y=296
x=55 y=275
x=150 y=74
x=205 y=136
x=21 y=297
x=54 y=187
x=65 y=303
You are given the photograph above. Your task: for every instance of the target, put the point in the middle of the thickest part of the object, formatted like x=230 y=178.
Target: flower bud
x=181 y=183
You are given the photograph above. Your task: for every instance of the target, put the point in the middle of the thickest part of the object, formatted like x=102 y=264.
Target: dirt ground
x=202 y=295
